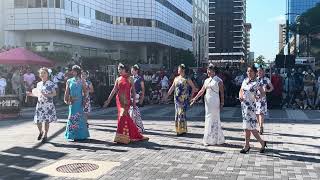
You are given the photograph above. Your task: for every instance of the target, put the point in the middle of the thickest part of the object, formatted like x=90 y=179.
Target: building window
x=51 y=3
x=44 y=3
x=20 y=3
x=34 y=3
x=58 y=5
x=67 y=5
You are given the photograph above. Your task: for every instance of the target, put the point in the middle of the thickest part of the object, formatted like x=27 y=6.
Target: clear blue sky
x=265 y=16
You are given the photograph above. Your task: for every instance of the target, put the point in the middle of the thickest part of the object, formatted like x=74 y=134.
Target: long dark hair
x=213 y=68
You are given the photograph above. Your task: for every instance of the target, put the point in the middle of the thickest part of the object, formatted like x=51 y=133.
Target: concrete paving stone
x=166 y=156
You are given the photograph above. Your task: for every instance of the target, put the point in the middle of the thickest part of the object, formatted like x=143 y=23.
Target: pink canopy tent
x=22 y=56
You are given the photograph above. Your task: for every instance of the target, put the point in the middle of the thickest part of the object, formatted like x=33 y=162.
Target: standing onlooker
x=289 y=89
x=3 y=85
x=276 y=81
x=29 y=80
x=317 y=103
x=45 y=109
x=309 y=80
x=16 y=82
x=164 y=82
x=59 y=78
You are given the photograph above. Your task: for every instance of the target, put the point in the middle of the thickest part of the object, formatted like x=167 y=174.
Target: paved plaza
x=293 y=149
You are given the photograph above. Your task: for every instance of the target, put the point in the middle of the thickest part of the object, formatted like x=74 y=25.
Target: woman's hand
x=193 y=101
x=221 y=105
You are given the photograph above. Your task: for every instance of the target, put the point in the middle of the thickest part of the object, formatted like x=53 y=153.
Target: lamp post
x=199 y=47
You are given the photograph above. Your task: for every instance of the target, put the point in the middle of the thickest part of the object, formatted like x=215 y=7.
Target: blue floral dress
x=45 y=109
x=76 y=126
x=181 y=99
x=250 y=93
x=261 y=104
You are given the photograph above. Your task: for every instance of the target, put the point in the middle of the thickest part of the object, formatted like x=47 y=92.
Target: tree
x=260 y=61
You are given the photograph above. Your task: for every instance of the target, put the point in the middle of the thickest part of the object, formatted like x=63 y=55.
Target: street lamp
x=203 y=24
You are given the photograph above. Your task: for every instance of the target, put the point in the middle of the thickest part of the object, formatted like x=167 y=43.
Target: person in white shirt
x=3 y=85
x=29 y=79
x=164 y=82
x=16 y=82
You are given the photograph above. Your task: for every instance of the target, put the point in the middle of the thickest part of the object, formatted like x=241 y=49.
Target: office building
x=247 y=29
x=227 y=20
x=200 y=30
x=297 y=7
x=135 y=30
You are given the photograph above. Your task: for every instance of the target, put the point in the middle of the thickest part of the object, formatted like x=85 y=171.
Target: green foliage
x=260 y=61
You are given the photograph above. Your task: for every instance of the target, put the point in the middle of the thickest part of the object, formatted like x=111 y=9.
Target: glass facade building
x=297 y=7
x=137 y=30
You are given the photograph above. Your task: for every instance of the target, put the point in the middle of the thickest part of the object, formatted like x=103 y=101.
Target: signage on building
x=72 y=22
x=84 y=23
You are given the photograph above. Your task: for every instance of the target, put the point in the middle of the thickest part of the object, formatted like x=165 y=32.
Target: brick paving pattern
x=293 y=153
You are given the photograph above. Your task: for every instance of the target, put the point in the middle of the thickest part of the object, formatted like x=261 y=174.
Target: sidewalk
x=293 y=152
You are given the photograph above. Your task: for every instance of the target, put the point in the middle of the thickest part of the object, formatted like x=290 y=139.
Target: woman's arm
x=91 y=89
x=200 y=93
x=194 y=89
x=171 y=88
x=67 y=94
x=142 y=92
x=221 y=90
x=241 y=95
x=271 y=88
x=84 y=88
x=133 y=92
x=113 y=92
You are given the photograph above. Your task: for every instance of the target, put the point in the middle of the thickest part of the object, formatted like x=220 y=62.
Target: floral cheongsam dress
x=45 y=109
x=76 y=128
x=261 y=104
x=181 y=99
x=250 y=94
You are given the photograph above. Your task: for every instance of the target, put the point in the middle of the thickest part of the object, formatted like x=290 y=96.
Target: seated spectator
x=301 y=100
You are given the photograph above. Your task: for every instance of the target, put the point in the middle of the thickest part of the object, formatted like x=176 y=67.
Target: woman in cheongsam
x=76 y=91
x=250 y=91
x=127 y=130
x=45 y=109
x=90 y=90
x=181 y=87
x=261 y=103
x=140 y=91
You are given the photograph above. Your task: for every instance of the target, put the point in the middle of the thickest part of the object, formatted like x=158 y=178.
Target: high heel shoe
x=245 y=151
x=40 y=136
x=261 y=130
x=263 y=148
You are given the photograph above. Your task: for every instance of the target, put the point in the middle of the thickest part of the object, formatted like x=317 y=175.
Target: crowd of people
x=296 y=89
